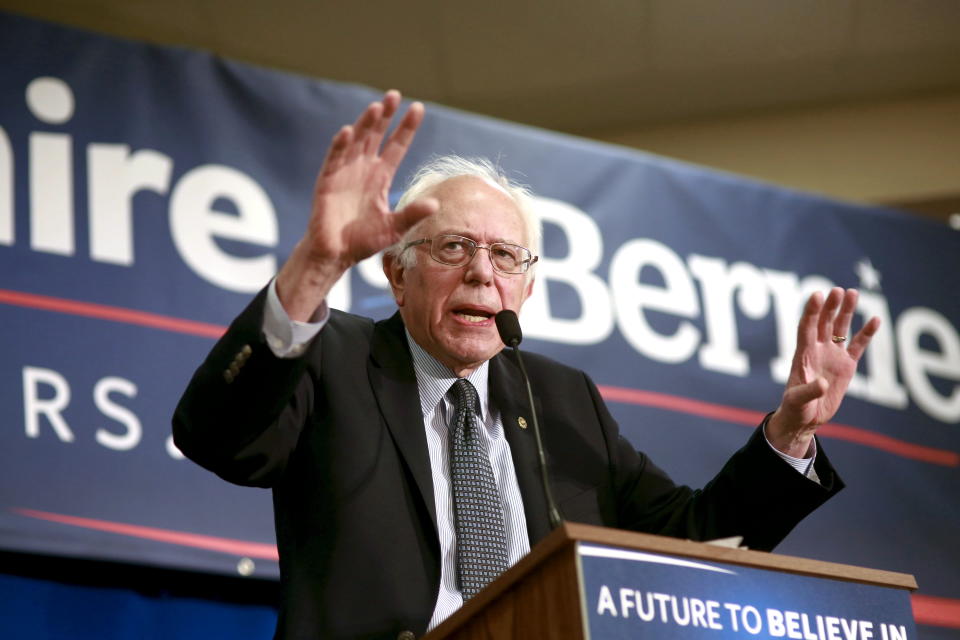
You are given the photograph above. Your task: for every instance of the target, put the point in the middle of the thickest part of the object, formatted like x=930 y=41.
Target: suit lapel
x=394 y=384
x=508 y=394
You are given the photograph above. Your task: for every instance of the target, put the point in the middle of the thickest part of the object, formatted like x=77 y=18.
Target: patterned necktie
x=477 y=511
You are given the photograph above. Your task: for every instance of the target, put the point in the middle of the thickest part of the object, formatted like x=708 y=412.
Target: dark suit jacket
x=339 y=436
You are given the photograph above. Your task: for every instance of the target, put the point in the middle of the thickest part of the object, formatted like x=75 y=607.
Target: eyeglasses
x=456 y=251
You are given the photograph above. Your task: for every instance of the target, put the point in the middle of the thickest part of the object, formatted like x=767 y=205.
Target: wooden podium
x=585 y=581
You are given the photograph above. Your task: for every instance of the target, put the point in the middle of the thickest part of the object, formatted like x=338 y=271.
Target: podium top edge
x=572 y=532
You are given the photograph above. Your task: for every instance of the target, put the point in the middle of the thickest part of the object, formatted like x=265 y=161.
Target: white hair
x=444 y=168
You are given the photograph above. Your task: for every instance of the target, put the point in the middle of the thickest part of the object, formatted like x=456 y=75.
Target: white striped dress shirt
x=433 y=382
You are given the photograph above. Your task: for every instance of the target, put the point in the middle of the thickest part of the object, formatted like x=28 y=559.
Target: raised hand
x=823 y=365
x=351 y=217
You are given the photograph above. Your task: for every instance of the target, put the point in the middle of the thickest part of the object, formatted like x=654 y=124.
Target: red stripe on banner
x=681 y=405
x=223 y=545
x=753 y=418
x=937 y=612
x=116 y=314
x=891 y=445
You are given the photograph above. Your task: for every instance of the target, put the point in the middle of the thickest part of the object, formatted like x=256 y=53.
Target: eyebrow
x=466 y=234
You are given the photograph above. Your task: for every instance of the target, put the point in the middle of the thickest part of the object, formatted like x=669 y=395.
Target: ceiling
x=569 y=65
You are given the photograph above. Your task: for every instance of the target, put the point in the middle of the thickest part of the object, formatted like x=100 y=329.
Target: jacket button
x=406 y=635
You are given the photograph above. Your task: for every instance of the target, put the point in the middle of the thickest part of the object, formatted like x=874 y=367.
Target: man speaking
x=404 y=476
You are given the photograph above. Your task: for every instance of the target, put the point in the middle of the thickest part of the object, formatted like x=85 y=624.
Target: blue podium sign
x=631 y=594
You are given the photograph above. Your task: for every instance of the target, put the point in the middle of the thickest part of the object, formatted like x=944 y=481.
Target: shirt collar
x=434 y=379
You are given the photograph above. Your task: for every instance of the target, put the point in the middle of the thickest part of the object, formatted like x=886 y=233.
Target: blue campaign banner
x=629 y=594
x=146 y=193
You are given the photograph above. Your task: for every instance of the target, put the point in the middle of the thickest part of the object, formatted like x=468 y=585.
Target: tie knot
x=465 y=396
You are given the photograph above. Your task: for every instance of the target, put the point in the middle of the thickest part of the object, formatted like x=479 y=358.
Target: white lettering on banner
x=370 y=270
x=6 y=189
x=51 y=193
x=115 y=176
x=676 y=297
x=800 y=626
x=918 y=363
x=34 y=406
x=605 y=602
x=172 y=450
x=575 y=270
x=880 y=384
x=51 y=168
x=101 y=397
x=653 y=296
x=751 y=620
x=637 y=606
x=50 y=100
x=194 y=225
x=627 y=602
x=721 y=351
x=46 y=394
x=891 y=632
x=746 y=616
x=682 y=611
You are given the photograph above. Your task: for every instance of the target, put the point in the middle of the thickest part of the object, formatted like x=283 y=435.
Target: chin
x=474 y=356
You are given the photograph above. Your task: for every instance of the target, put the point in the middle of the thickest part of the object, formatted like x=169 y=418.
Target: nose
x=480 y=268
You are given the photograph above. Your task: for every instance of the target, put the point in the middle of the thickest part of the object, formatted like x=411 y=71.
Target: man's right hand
x=351 y=218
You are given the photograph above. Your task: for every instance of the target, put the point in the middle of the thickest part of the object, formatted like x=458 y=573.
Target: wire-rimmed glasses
x=456 y=251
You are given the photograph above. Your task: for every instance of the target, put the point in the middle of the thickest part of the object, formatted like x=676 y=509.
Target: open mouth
x=473 y=316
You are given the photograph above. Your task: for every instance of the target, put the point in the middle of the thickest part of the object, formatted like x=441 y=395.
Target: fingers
x=337 y=153
x=860 y=341
x=801 y=394
x=414 y=213
x=826 y=320
x=399 y=141
x=841 y=325
x=364 y=130
x=389 y=105
x=390 y=102
x=807 y=329
x=365 y=135
x=372 y=125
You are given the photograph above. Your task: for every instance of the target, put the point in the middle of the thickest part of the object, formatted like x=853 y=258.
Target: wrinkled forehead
x=476 y=207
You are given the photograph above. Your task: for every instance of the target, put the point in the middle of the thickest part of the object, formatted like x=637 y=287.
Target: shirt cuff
x=803 y=465
x=289 y=338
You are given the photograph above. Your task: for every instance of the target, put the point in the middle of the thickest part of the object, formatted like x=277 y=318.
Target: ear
x=395 y=272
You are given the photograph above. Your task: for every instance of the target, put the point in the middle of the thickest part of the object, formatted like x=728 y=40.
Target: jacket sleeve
x=756 y=494
x=242 y=413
